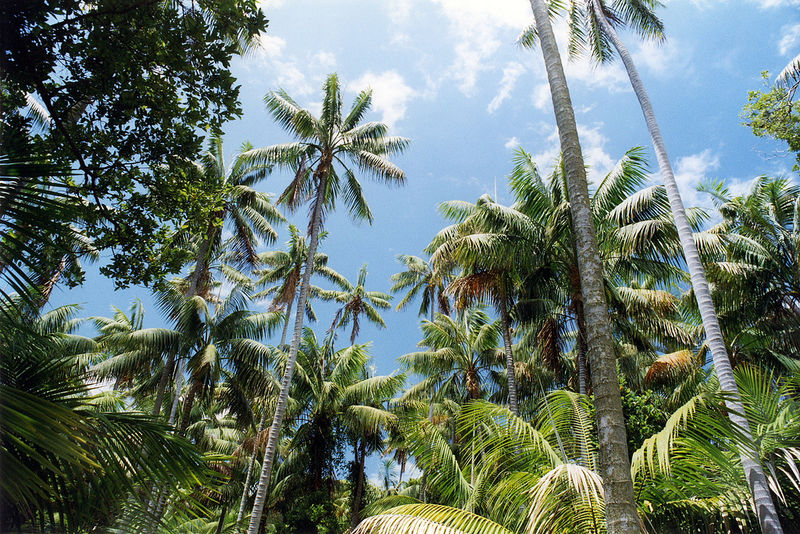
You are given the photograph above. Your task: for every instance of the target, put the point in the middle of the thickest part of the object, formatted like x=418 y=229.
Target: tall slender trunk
x=286 y=324
x=581 y=346
x=223 y=513
x=249 y=477
x=621 y=514
x=361 y=456
x=280 y=409
x=510 y=367
x=188 y=404
x=166 y=373
x=762 y=498
x=422 y=483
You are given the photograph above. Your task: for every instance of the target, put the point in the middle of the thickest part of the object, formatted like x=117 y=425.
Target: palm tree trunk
x=166 y=373
x=361 y=457
x=221 y=523
x=510 y=367
x=188 y=404
x=581 y=346
x=286 y=324
x=765 y=508
x=621 y=514
x=280 y=409
x=250 y=465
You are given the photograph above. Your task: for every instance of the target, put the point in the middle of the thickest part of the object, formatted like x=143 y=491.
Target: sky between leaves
x=448 y=75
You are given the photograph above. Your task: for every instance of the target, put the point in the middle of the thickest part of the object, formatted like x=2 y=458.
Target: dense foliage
x=224 y=417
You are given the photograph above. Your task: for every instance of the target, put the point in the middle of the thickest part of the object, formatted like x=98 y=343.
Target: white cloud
x=663 y=59
x=789 y=40
x=690 y=171
x=512 y=143
x=292 y=79
x=399 y=10
x=476 y=25
x=390 y=94
x=324 y=60
x=541 y=96
x=268 y=46
x=593 y=144
x=511 y=74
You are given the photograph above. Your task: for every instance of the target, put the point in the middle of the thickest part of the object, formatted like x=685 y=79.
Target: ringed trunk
x=754 y=473
x=280 y=409
x=621 y=513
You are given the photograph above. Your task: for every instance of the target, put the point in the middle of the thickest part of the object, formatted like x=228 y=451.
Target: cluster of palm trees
x=558 y=335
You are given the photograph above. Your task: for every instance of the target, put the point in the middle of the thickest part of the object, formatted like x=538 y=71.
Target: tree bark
x=581 y=346
x=166 y=373
x=188 y=404
x=621 y=513
x=510 y=367
x=286 y=324
x=250 y=465
x=361 y=456
x=280 y=409
x=754 y=473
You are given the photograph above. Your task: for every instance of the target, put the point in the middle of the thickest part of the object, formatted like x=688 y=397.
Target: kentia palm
x=601 y=34
x=640 y=255
x=622 y=516
x=421 y=278
x=490 y=243
x=324 y=144
x=354 y=301
x=340 y=397
x=284 y=269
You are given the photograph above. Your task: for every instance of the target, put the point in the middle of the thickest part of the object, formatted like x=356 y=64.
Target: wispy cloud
x=790 y=39
x=512 y=143
x=390 y=94
x=511 y=74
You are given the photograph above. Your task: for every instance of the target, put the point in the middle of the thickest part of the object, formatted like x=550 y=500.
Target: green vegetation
x=572 y=373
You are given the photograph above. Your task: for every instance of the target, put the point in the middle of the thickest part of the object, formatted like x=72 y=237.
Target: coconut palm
x=355 y=300
x=319 y=160
x=249 y=214
x=284 y=269
x=420 y=278
x=602 y=36
x=621 y=516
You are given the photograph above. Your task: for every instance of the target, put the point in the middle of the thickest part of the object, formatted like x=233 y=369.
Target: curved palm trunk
x=166 y=373
x=286 y=324
x=765 y=508
x=621 y=514
x=280 y=409
x=510 y=367
x=249 y=478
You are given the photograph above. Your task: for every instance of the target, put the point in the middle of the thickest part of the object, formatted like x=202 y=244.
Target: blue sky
x=447 y=74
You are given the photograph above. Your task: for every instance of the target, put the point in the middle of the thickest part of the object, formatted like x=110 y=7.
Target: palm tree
x=138 y=359
x=324 y=144
x=640 y=253
x=601 y=32
x=356 y=300
x=249 y=213
x=337 y=397
x=490 y=243
x=284 y=269
x=458 y=356
x=755 y=275
x=621 y=507
x=420 y=278
x=75 y=462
